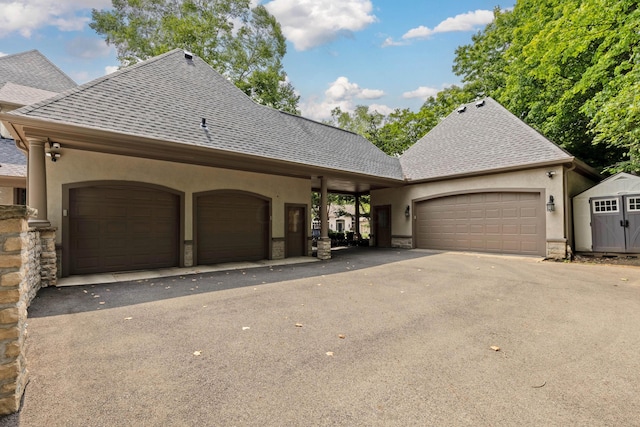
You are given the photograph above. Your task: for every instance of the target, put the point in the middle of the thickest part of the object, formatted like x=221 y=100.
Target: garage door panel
x=127 y=227
x=232 y=227
x=492 y=222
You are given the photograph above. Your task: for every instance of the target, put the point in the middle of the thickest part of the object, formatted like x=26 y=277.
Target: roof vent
x=203 y=124
x=188 y=55
x=480 y=103
x=462 y=109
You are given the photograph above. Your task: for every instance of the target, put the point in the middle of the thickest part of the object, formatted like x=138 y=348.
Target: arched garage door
x=500 y=222
x=122 y=227
x=231 y=226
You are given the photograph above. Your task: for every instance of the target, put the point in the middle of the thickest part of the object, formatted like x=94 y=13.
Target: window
x=633 y=204
x=606 y=205
x=20 y=196
x=340 y=225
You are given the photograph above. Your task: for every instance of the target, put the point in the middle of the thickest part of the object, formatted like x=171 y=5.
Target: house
x=25 y=78
x=166 y=163
x=606 y=217
x=482 y=180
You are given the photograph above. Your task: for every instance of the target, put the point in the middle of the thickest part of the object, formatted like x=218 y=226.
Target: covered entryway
x=501 y=222
x=120 y=227
x=231 y=226
x=615 y=223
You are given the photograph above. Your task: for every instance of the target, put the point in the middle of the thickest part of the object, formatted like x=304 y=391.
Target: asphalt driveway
x=372 y=337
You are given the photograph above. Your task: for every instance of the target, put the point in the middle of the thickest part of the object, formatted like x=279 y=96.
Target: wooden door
x=296 y=231
x=382 y=233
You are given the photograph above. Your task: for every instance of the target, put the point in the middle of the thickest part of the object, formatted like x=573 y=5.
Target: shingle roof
x=480 y=139
x=23 y=95
x=34 y=70
x=12 y=161
x=166 y=97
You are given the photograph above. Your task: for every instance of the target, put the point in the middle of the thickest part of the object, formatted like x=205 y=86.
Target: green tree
x=244 y=44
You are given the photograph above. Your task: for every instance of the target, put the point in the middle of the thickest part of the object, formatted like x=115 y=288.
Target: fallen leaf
x=329 y=353
x=298 y=325
x=101 y=302
x=85 y=291
x=197 y=353
x=128 y=318
x=495 y=348
x=624 y=279
x=245 y=328
x=341 y=336
x=539 y=386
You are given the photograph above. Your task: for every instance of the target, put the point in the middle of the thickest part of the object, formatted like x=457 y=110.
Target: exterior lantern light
x=551 y=206
x=407 y=212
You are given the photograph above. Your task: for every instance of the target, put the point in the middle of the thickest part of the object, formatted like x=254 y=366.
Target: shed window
x=633 y=204
x=606 y=205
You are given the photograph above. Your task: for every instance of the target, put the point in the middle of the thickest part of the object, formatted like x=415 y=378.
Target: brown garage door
x=231 y=227
x=120 y=228
x=483 y=222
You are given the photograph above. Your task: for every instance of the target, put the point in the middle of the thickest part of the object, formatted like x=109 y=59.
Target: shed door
x=231 y=227
x=615 y=223
x=296 y=231
x=123 y=227
x=502 y=222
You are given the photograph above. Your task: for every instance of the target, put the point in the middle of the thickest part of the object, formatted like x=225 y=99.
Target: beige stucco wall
x=6 y=195
x=534 y=179
x=77 y=166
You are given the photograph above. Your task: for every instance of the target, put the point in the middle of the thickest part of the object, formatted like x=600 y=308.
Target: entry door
x=296 y=234
x=615 y=223
x=382 y=218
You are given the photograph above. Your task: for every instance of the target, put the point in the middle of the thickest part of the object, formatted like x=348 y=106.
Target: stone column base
x=324 y=248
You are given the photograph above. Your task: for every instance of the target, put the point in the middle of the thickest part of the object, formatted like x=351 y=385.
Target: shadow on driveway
x=79 y=299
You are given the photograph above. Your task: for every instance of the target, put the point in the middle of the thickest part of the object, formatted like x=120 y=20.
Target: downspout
x=568 y=210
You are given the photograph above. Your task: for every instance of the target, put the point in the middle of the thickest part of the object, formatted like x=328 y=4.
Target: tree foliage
x=569 y=68
x=244 y=44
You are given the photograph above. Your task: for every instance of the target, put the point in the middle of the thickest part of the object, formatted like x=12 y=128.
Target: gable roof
x=479 y=139
x=19 y=95
x=13 y=162
x=165 y=98
x=34 y=70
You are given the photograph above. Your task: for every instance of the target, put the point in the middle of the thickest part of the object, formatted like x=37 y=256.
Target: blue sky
x=383 y=53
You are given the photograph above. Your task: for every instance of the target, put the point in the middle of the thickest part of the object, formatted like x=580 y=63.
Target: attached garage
x=231 y=226
x=500 y=222
x=121 y=227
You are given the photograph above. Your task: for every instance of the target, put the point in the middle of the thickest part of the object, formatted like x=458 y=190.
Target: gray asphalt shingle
x=13 y=162
x=34 y=70
x=166 y=97
x=480 y=139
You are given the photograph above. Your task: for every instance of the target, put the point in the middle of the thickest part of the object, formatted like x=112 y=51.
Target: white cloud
x=423 y=92
x=311 y=23
x=27 y=16
x=381 y=108
x=3 y=54
x=463 y=22
x=341 y=93
x=110 y=69
x=88 y=48
x=389 y=41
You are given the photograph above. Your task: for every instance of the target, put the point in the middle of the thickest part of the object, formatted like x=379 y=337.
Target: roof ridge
x=42 y=56
x=93 y=83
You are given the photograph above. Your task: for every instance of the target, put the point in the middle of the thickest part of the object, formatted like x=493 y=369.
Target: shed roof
x=166 y=97
x=33 y=69
x=620 y=183
x=474 y=139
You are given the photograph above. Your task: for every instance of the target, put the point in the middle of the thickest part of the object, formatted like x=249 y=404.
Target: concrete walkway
x=369 y=338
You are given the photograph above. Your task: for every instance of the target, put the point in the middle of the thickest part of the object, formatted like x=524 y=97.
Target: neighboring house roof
x=33 y=69
x=19 y=95
x=478 y=139
x=166 y=97
x=13 y=162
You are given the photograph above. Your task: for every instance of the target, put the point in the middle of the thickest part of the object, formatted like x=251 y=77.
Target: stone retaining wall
x=27 y=263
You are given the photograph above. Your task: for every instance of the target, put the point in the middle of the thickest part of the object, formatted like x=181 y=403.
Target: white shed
x=606 y=217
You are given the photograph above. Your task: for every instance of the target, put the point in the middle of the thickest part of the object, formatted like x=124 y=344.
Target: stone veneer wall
x=27 y=263
x=277 y=248
x=405 y=242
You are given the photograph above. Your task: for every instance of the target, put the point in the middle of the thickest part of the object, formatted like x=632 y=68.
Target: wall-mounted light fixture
x=54 y=151
x=407 y=212
x=550 y=174
x=551 y=206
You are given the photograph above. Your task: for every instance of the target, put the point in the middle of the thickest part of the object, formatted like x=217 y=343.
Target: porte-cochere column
x=37 y=183
x=324 y=243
